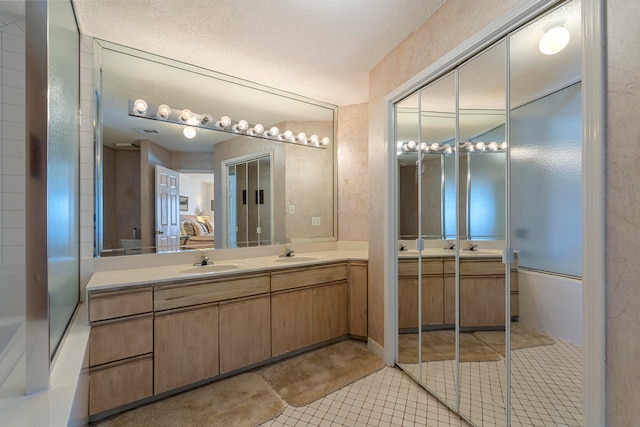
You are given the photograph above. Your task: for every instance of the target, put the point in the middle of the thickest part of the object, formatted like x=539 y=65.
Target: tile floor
x=387 y=397
x=546 y=384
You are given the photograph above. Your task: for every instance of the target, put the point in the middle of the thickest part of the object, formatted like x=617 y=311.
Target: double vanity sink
x=219 y=268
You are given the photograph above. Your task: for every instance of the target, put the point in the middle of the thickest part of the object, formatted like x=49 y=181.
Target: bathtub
x=12 y=344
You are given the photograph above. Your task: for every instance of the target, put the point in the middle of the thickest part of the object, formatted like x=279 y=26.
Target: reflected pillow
x=210 y=226
x=200 y=229
x=188 y=228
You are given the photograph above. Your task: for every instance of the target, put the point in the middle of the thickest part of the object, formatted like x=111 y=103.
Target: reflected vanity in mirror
x=276 y=171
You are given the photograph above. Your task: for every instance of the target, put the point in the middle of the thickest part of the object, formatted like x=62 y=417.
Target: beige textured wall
x=353 y=178
x=454 y=22
x=623 y=213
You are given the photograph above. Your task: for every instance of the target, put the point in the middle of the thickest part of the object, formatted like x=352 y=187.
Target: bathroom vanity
x=160 y=335
x=482 y=296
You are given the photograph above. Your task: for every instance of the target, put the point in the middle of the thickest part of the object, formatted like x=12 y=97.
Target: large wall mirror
x=489 y=180
x=129 y=217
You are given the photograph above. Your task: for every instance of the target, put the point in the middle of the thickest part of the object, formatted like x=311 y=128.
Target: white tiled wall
x=12 y=141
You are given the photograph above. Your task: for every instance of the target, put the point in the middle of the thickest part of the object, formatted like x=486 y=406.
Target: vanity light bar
x=447 y=149
x=140 y=108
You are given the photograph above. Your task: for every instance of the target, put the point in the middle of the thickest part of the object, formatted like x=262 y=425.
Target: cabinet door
x=185 y=347
x=358 y=299
x=329 y=312
x=432 y=302
x=482 y=301
x=245 y=332
x=291 y=321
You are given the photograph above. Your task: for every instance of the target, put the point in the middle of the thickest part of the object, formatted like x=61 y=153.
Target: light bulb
x=242 y=125
x=192 y=121
x=189 y=132
x=288 y=135
x=554 y=40
x=480 y=146
x=140 y=107
x=223 y=122
x=325 y=140
x=301 y=137
x=164 y=111
x=274 y=131
x=434 y=147
x=258 y=129
x=185 y=115
x=411 y=145
x=493 y=146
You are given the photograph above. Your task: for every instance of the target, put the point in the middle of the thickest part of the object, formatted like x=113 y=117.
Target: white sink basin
x=211 y=268
x=297 y=258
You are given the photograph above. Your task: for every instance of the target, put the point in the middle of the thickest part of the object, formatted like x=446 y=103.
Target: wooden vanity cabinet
x=185 y=346
x=329 y=312
x=308 y=306
x=432 y=311
x=291 y=320
x=482 y=292
x=358 y=279
x=245 y=332
x=120 y=347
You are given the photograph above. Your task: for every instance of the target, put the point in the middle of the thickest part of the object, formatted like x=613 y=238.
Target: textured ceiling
x=322 y=49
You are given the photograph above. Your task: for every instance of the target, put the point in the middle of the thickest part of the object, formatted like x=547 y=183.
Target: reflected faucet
x=471 y=246
x=450 y=245
x=403 y=247
x=204 y=260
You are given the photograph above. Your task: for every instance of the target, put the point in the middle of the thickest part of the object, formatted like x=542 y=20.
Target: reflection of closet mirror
x=128 y=148
x=249 y=208
x=489 y=179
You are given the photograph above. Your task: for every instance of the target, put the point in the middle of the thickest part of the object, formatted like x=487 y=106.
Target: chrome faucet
x=288 y=252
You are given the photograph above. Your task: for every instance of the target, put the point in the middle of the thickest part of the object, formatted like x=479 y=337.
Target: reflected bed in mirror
x=138 y=213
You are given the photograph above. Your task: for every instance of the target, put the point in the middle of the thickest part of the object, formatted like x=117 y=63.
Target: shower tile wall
x=12 y=141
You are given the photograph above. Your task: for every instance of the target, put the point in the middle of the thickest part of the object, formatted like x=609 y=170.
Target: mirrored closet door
x=488 y=171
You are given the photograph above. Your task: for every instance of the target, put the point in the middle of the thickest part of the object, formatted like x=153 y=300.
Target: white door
x=167 y=215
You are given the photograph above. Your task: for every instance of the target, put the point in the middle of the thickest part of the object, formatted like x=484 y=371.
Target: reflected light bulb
x=411 y=145
x=554 y=40
x=223 y=122
x=274 y=131
x=503 y=146
x=206 y=119
x=164 y=111
x=301 y=137
x=189 y=132
x=493 y=146
x=314 y=139
x=424 y=146
x=140 y=107
x=480 y=146
x=434 y=147
x=325 y=140
x=446 y=149
x=186 y=115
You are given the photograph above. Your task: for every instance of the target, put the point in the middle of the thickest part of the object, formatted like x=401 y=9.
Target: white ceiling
x=322 y=49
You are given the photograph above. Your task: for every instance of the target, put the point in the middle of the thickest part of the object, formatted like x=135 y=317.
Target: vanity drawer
x=120 y=383
x=410 y=267
x=181 y=295
x=121 y=339
x=113 y=304
x=309 y=276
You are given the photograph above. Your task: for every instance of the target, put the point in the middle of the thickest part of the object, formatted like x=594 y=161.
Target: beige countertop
x=174 y=272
